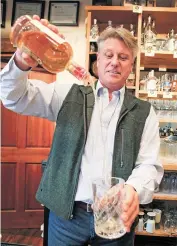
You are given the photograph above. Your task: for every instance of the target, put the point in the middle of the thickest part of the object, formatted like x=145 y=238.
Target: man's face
x=114 y=62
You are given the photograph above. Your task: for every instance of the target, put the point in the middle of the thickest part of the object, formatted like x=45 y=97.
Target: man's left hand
x=130 y=206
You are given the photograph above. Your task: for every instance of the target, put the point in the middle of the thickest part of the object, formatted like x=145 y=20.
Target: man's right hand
x=23 y=60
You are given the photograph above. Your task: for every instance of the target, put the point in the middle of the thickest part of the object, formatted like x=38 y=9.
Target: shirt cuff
x=145 y=195
x=12 y=69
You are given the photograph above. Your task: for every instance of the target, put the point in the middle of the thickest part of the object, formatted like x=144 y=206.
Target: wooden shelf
x=103 y=13
x=158 y=233
x=160 y=52
x=167 y=120
x=169 y=166
x=165 y=196
x=108 y=8
x=159 y=93
x=92 y=53
x=131 y=87
x=161 y=59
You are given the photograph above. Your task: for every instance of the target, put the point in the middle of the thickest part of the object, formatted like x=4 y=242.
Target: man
x=100 y=130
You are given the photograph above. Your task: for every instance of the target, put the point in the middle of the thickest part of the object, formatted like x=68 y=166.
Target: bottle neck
x=80 y=73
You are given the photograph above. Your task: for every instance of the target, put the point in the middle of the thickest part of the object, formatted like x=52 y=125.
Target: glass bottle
x=142 y=33
x=131 y=79
x=143 y=83
x=150 y=3
x=151 y=82
x=92 y=47
x=154 y=33
x=149 y=36
x=94 y=32
x=109 y=24
x=140 y=225
x=136 y=2
x=167 y=223
x=166 y=83
x=174 y=83
x=171 y=40
x=128 y=2
x=132 y=30
x=143 y=2
x=46 y=47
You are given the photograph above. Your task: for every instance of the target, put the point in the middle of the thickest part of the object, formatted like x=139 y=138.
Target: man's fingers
x=44 y=22
x=36 y=17
x=128 y=214
x=130 y=207
x=53 y=28
x=131 y=220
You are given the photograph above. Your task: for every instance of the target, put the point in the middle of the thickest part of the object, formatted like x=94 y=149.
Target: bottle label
x=137 y=9
x=152 y=93
x=47 y=31
x=167 y=94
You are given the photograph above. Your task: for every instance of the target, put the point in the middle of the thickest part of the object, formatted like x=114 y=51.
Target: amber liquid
x=53 y=56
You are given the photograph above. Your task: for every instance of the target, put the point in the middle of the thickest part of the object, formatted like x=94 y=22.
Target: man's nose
x=115 y=61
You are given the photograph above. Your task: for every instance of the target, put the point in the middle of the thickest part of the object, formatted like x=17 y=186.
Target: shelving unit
x=167 y=120
x=165 y=196
x=169 y=166
x=158 y=233
x=161 y=60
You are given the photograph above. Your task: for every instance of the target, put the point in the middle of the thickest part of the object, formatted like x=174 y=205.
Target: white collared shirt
x=34 y=97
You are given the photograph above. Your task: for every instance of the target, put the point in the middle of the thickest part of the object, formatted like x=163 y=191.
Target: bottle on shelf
x=149 y=36
x=142 y=33
x=151 y=82
x=109 y=24
x=140 y=225
x=171 y=40
x=132 y=30
x=94 y=32
x=151 y=3
x=92 y=47
x=166 y=83
x=154 y=32
x=52 y=52
x=174 y=83
x=143 y=83
x=143 y=2
x=131 y=79
x=136 y=2
x=128 y=2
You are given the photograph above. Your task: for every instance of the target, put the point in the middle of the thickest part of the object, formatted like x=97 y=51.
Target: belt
x=86 y=206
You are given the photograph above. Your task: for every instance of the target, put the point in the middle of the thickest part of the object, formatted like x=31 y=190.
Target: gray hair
x=121 y=34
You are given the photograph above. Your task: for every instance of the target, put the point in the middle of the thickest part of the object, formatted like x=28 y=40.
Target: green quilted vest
x=59 y=182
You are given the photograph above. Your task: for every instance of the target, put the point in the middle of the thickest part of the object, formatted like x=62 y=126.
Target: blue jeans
x=79 y=231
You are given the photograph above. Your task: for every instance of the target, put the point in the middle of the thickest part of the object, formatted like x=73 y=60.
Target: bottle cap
x=141 y=213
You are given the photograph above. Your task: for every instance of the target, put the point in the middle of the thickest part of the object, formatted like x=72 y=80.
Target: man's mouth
x=114 y=72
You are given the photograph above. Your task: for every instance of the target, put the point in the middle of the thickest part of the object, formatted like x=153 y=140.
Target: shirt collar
x=100 y=90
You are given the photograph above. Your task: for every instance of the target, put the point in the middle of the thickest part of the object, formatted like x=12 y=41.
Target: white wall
x=74 y=35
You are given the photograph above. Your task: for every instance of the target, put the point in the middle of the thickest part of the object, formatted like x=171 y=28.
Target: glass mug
x=149 y=225
x=107 y=207
x=158 y=215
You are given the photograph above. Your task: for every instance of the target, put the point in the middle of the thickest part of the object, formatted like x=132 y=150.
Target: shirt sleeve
x=148 y=171
x=30 y=96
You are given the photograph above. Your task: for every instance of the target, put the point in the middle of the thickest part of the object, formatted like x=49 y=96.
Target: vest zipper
x=122 y=148
x=70 y=216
